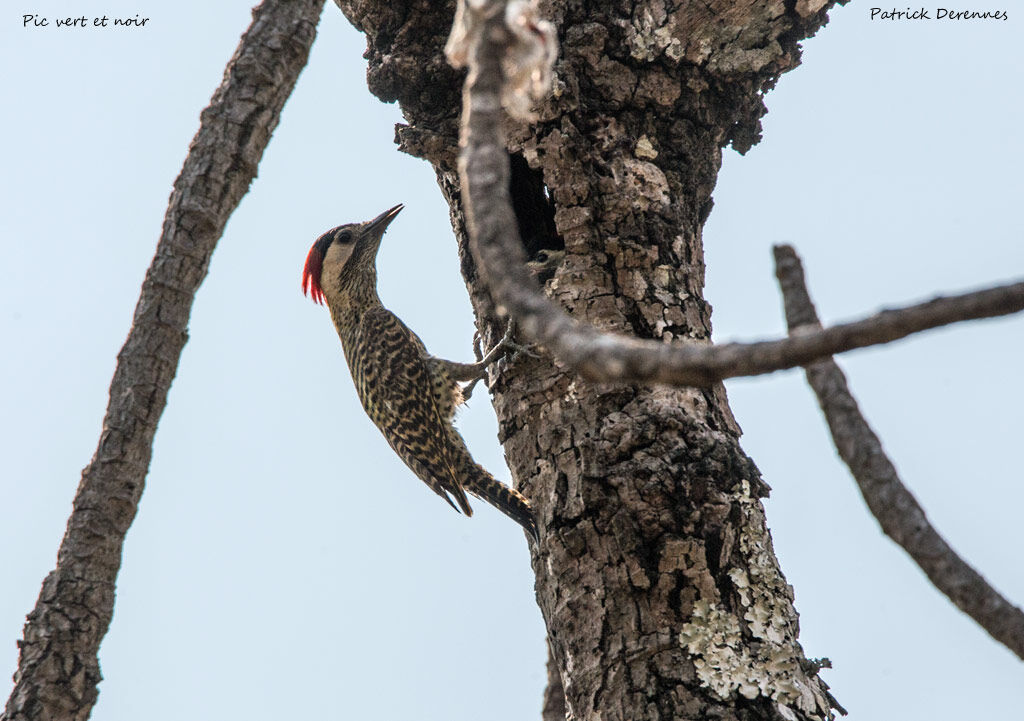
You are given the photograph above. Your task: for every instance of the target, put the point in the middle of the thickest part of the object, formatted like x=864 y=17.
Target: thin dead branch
x=58 y=670
x=499 y=252
x=897 y=511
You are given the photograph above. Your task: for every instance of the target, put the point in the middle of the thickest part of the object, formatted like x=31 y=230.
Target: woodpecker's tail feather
x=509 y=501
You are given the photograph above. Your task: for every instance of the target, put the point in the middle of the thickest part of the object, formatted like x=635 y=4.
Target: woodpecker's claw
x=507 y=343
x=410 y=395
x=477 y=353
x=502 y=347
x=467 y=390
x=499 y=350
x=475 y=372
x=522 y=350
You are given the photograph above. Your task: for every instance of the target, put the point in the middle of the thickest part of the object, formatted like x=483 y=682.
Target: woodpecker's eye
x=542 y=256
x=344 y=237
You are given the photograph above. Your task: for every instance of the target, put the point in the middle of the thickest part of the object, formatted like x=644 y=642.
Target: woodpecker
x=410 y=395
x=544 y=264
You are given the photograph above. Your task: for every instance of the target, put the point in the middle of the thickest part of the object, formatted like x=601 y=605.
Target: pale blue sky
x=285 y=563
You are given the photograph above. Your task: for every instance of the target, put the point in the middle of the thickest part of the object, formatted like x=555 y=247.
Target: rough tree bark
x=655 y=572
x=58 y=668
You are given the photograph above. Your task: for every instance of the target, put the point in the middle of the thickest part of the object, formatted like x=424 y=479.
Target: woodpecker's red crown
x=356 y=234
x=314 y=265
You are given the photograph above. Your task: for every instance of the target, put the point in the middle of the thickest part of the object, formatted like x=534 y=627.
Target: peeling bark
x=655 y=571
x=58 y=669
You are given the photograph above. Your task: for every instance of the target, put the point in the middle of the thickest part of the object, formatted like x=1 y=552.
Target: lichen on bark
x=755 y=652
x=653 y=539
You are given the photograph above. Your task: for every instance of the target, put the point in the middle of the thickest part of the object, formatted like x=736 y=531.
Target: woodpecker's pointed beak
x=381 y=222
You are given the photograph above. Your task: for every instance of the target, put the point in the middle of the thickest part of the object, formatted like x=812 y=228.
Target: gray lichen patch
x=728 y=37
x=720 y=641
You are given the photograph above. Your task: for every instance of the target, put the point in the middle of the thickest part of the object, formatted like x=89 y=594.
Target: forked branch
x=895 y=508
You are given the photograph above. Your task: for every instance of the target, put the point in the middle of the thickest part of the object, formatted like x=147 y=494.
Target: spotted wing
x=395 y=385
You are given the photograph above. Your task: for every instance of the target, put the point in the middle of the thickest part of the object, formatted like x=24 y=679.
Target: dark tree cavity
x=655 y=571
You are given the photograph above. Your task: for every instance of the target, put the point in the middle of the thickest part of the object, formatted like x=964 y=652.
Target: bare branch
x=495 y=242
x=58 y=669
x=897 y=511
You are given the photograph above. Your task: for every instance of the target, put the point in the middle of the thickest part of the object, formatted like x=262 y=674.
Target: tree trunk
x=655 y=571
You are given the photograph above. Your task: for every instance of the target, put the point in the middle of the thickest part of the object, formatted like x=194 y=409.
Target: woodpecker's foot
x=526 y=350
x=467 y=390
x=473 y=373
x=502 y=347
x=508 y=346
x=516 y=347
